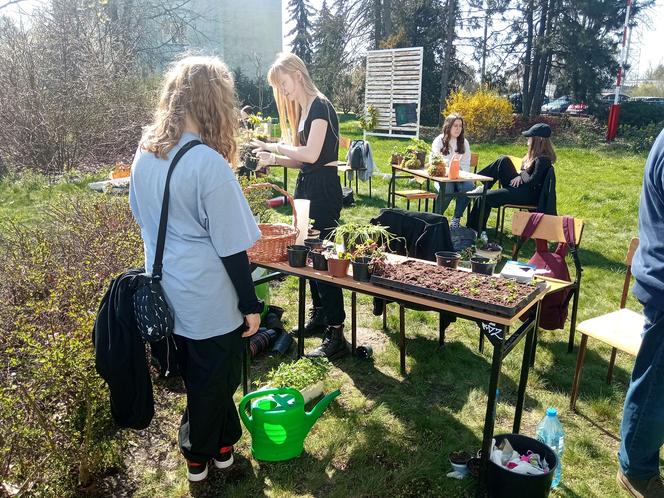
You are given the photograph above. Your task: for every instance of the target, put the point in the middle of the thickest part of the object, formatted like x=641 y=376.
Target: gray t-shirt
x=208 y=218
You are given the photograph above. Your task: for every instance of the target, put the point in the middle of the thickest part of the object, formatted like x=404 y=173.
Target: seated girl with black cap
x=521 y=187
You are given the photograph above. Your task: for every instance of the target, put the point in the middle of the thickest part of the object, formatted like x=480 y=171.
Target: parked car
x=557 y=106
x=580 y=109
x=650 y=100
x=515 y=100
x=608 y=98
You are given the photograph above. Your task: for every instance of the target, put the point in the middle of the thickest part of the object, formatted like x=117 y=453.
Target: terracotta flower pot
x=338 y=267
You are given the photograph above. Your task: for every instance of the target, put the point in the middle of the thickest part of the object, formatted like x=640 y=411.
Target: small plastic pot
x=318 y=260
x=491 y=251
x=297 y=256
x=482 y=265
x=251 y=163
x=313 y=243
x=361 y=269
x=448 y=259
x=338 y=267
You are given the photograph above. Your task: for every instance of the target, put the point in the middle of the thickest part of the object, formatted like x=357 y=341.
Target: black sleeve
x=237 y=267
x=536 y=172
x=319 y=110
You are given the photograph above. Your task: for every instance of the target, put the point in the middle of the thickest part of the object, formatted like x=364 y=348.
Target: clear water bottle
x=550 y=432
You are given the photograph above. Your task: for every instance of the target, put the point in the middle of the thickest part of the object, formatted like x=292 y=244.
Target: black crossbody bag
x=154 y=318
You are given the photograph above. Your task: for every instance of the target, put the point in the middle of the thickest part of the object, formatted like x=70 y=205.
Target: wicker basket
x=275 y=237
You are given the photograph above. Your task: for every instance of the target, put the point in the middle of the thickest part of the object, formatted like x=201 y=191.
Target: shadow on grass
x=560 y=371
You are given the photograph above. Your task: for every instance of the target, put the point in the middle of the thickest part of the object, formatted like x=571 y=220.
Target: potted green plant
x=397 y=155
x=338 y=263
x=352 y=234
x=363 y=258
x=420 y=148
x=438 y=166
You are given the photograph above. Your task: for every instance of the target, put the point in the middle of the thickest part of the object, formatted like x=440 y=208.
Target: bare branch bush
x=77 y=83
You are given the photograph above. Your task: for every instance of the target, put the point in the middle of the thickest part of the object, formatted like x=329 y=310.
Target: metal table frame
x=495 y=328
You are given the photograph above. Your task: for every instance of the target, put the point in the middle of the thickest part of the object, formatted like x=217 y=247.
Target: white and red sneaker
x=225 y=457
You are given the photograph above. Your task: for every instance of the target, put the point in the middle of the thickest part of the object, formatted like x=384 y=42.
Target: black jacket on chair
x=422 y=234
x=547 y=199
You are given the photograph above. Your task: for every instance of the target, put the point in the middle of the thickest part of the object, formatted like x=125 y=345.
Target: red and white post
x=614 y=111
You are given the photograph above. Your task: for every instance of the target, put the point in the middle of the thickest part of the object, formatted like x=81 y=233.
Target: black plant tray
x=446 y=297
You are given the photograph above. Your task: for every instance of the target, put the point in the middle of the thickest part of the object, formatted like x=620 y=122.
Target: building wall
x=245 y=33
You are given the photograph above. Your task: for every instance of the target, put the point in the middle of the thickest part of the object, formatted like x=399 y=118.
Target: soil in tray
x=475 y=286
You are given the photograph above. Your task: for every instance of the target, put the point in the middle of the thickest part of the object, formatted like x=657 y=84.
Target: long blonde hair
x=203 y=88
x=290 y=111
x=539 y=147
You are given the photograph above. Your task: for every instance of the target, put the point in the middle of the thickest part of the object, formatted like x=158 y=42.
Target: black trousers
x=503 y=171
x=323 y=189
x=211 y=369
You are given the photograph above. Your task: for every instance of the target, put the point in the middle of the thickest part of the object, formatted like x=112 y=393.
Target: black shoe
x=225 y=458
x=317 y=322
x=334 y=344
x=378 y=306
x=196 y=471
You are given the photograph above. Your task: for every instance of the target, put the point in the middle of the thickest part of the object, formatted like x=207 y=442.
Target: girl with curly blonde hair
x=205 y=276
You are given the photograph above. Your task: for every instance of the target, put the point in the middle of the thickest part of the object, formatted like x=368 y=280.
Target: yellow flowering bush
x=486 y=114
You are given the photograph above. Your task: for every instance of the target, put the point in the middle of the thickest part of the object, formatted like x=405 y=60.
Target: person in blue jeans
x=642 y=429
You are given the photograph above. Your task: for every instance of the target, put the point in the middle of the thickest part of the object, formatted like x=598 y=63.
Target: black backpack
x=356 y=156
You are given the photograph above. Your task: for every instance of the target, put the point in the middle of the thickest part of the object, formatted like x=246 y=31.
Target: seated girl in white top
x=450 y=142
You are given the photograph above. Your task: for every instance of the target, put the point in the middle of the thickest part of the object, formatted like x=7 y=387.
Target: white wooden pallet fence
x=394 y=76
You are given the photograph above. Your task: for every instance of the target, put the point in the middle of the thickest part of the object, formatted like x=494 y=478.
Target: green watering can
x=278 y=423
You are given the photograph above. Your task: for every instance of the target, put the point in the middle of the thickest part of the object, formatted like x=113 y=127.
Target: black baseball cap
x=538 y=130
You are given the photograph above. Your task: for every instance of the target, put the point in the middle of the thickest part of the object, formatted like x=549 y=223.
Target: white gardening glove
x=266 y=159
x=259 y=146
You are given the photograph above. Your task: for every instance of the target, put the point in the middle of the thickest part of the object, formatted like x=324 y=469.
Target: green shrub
x=634 y=113
x=486 y=114
x=57 y=433
x=640 y=139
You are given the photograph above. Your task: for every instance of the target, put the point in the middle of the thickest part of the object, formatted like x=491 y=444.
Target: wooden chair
x=620 y=329
x=550 y=229
x=416 y=195
x=344 y=167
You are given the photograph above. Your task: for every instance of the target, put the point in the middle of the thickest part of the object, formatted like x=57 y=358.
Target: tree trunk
x=378 y=22
x=537 y=59
x=447 y=60
x=484 y=41
x=545 y=65
x=526 y=65
x=387 y=18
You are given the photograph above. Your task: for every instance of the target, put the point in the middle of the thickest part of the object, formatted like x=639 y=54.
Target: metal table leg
x=438 y=208
x=391 y=189
x=285 y=178
x=490 y=417
x=402 y=339
x=353 y=321
x=523 y=381
x=482 y=225
x=302 y=296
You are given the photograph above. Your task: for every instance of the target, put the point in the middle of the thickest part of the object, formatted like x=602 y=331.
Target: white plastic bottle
x=550 y=432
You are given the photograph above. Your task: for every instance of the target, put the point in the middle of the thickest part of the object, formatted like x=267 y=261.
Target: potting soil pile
x=530 y=463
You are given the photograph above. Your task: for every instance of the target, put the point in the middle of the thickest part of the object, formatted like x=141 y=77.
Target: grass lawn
x=389 y=435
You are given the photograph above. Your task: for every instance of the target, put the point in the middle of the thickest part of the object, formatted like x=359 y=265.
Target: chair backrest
x=550 y=228
x=474 y=161
x=633 y=245
x=344 y=142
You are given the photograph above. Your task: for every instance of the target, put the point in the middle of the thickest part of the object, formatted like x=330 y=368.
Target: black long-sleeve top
x=237 y=267
x=535 y=173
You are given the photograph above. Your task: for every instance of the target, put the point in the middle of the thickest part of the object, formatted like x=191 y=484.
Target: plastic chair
x=620 y=329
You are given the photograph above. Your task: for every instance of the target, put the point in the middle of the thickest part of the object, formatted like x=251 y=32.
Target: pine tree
x=329 y=61
x=301 y=12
